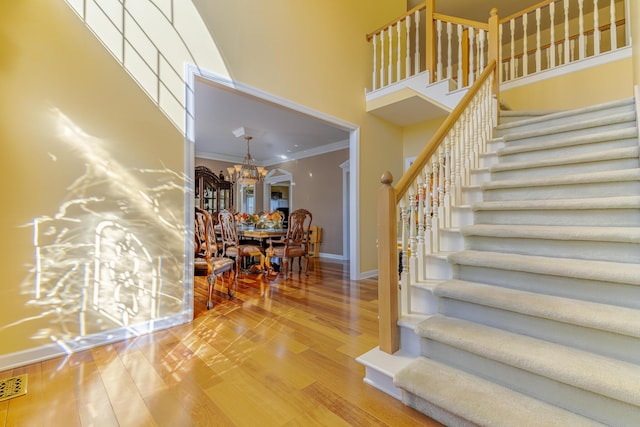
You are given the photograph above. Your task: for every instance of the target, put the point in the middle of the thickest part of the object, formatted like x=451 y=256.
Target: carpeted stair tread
x=588 y=371
x=543 y=116
x=563 y=142
x=628 y=273
x=551 y=232
x=610 y=119
x=478 y=401
x=623 y=175
x=597 y=156
x=618 y=202
x=605 y=317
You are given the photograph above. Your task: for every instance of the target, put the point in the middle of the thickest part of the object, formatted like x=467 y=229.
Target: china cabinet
x=212 y=192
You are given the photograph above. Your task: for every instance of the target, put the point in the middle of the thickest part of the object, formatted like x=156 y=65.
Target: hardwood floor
x=275 y=354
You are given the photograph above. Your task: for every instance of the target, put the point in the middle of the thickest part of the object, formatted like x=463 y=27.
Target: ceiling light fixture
x=247 y=173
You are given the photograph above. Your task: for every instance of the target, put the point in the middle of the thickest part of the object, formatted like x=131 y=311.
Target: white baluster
x=567 y=48
x=375 y=63
x=405 y=287
x=413 y=247
x=572 y=46
x=390 y=66
x=428 y=183
x=538 y=56
x=435 y=200
x=613 y=33
x=439 y=49
x=407 y=54
x=460 y=79
x=416 y=64
x=382 y=58
x=398 y=61
x=457 y=149
x=581 y=39
x=421 y=228
x=512 y=70
x=596 y=28
x=525 y=49
x=552 y=34
x=441 y=178
x=449 y=61
x=447 y=181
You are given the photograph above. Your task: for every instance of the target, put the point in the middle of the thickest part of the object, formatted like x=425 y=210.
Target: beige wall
x=595 y=85
x=318 y=188
x=81 y=145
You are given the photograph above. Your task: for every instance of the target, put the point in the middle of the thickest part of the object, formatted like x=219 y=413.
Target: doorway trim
x=191 y=72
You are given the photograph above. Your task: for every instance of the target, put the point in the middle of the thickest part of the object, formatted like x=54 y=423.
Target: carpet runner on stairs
x=540 y=323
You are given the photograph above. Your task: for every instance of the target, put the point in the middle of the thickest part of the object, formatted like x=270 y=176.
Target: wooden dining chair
x=205 y=260
x=231 y=246
x=296 y=243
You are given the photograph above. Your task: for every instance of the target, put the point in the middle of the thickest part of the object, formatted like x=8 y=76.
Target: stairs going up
x=540 y=322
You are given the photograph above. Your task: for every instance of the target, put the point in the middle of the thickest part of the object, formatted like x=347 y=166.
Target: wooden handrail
x=603 y=27
x=415 y=169
x=461 y=21
x=527 y=10
x=394 y=22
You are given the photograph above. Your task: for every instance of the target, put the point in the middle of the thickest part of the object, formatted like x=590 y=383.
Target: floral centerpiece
x=265 y=220
x=271 y=220
x=247 y=219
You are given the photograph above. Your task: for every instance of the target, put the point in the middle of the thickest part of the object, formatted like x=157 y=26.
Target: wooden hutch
x=213 y=193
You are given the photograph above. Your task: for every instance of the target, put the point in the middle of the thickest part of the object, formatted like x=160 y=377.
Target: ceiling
x=280 y=133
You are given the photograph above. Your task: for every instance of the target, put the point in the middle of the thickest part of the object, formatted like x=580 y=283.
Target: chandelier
x=247 y=173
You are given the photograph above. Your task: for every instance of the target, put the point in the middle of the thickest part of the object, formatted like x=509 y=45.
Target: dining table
x=265 y=236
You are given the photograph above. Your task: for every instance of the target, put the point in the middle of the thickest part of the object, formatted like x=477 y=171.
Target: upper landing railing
x=557 y=32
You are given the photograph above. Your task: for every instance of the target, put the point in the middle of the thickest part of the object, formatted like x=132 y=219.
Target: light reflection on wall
x=112 y=256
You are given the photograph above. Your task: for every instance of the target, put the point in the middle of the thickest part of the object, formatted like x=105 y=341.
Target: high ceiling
x=278 y=131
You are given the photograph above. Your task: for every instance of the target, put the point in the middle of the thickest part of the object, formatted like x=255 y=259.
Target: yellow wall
x=314 y=53
x=594 y=85
x=73 y=126
x=417 y=136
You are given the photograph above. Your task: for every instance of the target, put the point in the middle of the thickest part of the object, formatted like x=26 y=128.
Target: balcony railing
x=539 y=38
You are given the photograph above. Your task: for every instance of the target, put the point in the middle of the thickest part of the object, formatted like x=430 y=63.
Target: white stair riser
x=587 y=403
x=409 y=341
x=478 y=176
x=577 y=249
x=565 y=169
x=489 y=159
x=471 y=195
x=588 y=339
x=437 y=268
x=495 y=144
x=461 y=216
x=572 y=191
x=622 y=294
x=562 y=150
x=579 y=131
x=423 y=301
x=382 y=382
x=584 y=217
x=451 y=240
x=544 y=123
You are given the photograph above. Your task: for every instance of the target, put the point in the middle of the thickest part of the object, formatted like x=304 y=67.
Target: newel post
x=430 y=40
x=388 y=333
x=494 y=51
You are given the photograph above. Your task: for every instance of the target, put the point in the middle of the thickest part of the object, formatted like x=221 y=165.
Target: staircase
x=540 y=321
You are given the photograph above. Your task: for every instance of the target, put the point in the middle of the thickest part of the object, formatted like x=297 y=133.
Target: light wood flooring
x=275 y=354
